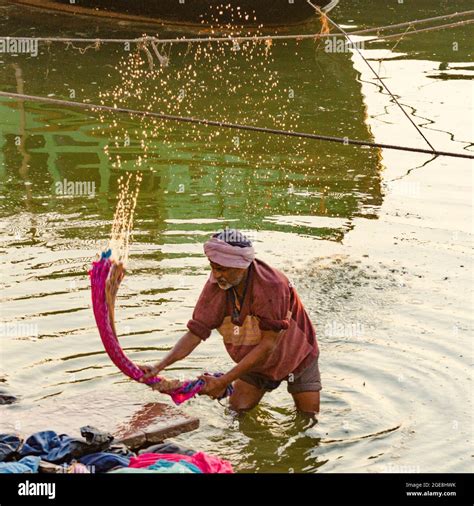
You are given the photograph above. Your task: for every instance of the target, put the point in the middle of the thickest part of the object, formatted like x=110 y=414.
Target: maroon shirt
x=271 y=303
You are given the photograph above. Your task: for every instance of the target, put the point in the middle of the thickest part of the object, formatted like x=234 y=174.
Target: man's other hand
x=214 y=387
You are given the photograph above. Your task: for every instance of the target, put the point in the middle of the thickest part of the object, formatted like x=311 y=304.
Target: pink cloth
x=227 y=255
x=206 y=463
x=98 y=275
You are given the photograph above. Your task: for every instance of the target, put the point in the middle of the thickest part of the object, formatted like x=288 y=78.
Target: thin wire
x=317 y=9
x=420 y=30
x=414 y=22
x=392 y=49
x=257 y=37
x=224 y=124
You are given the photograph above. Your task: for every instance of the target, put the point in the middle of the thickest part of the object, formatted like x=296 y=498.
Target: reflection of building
x=263 y=176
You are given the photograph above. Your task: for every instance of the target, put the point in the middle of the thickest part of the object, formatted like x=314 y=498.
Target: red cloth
x=206 y=463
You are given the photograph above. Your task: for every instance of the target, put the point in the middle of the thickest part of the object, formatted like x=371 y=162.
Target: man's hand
x=214 y=387
x=149 y=372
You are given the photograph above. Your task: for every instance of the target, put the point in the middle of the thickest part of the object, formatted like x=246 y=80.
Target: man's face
x=227 y=277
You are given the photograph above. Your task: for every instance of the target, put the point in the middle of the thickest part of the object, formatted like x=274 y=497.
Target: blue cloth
x=25 y=465
x=9 y=444
x=162 y=467
x=61 y=448
x=182 y=467
x=51 y=447
x=103 y=461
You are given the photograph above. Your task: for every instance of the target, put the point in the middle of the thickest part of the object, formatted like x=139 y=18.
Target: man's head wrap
x=230 y=248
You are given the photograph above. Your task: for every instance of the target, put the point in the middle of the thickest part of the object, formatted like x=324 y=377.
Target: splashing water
x=243 y=79
x=128 y=188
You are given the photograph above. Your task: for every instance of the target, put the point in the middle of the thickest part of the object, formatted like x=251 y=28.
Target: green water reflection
x=193 y=173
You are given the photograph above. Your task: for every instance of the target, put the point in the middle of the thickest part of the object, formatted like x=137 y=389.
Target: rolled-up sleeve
x=198 y=328
x=273 y=308
x=209 y=311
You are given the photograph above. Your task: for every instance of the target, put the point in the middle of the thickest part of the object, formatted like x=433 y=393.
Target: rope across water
x=224 y=124
x=256 y=38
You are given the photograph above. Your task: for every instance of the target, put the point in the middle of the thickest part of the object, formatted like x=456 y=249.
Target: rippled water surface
x=377 y=242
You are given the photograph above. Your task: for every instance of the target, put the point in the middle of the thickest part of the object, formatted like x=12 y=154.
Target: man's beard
x=225 y=285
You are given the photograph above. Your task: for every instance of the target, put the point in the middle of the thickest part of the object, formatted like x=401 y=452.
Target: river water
x=377 y=242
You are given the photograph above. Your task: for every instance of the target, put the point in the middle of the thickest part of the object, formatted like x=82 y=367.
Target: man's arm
x=215 y=387
x=181 y=349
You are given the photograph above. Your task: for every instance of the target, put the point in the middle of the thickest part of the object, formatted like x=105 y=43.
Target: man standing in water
x=265 y=327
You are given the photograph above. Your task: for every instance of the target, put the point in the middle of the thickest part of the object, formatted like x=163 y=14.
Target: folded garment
x=162 y=467
x=206 y=463
x=148 y=459
x=168 y=448
x=210 y=464
x=181 y=467
x=104 y=461
x=9 y=444
x=25 y=465
x=62 y=448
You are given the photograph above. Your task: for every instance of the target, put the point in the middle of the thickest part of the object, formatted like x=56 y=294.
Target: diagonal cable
x=317 y=9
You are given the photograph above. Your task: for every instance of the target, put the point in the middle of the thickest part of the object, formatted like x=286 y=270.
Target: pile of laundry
x=48 y=452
